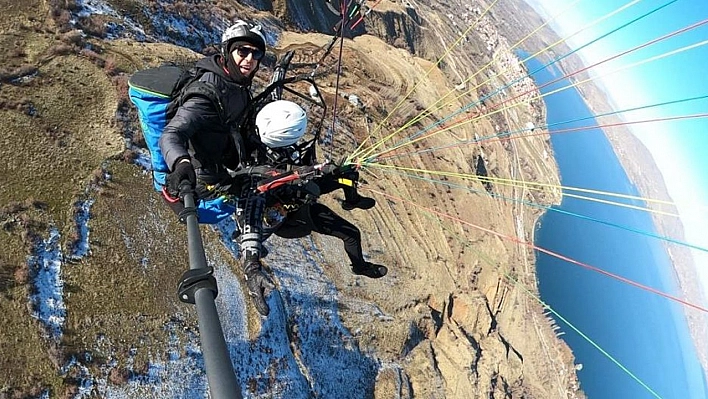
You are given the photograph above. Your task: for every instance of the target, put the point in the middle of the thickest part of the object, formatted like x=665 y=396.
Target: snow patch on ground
x=302 y=350
x=195 y=32
x=181 y=376
x=48 y=297
x=80 y=247
x=143 y=158
x=130 y=28
x=329 y=354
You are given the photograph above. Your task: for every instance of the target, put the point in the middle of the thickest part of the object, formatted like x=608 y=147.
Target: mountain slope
x=453 y=319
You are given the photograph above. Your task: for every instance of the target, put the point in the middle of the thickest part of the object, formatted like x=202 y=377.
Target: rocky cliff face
x=457 y=317
x=399 y=28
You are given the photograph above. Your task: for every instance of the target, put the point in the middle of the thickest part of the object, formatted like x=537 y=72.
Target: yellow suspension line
x=538 y=186
x=428 y=110
x=420 y=80
x=509 y=136
x=511 y=106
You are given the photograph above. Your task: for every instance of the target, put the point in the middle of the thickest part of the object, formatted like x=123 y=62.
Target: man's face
x=246 y=57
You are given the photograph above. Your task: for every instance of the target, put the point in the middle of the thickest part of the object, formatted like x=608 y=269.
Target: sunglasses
x=243 y=52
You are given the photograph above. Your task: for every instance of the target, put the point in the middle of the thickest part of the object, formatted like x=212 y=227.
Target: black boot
x=371 y=270
x=360 y=202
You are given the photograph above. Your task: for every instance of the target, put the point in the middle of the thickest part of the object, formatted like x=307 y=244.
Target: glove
x=329 y=169
x=184 y=171
x=259 y=285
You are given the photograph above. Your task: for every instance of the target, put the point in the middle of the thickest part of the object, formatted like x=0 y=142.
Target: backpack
x=157 y=93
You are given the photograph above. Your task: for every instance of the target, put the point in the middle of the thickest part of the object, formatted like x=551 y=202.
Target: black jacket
x=197 y=129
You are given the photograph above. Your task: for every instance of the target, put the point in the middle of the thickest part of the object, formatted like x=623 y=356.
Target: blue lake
x=645 y=332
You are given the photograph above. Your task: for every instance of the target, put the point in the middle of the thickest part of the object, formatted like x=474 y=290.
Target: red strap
x=168 y=197
x=271 y=184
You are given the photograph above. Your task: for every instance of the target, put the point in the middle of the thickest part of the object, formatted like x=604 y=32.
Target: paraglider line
x=428 y=110
x=568 y=75
x=478 y=117
x=415 y=86
x=521 y=285
x=548 y=252
x=511 y=135
x=468 y=176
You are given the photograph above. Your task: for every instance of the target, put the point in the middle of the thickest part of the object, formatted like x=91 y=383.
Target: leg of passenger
x=352 y=198
x=329 y=223
x=327 y=184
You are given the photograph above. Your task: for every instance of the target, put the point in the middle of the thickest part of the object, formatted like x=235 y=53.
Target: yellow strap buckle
x=346 y=182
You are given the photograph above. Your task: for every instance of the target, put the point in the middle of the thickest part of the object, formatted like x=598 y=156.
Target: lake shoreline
x=615 y=321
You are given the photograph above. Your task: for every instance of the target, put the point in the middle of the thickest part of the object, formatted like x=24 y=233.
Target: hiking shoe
x=371 y=270
x=361 y=203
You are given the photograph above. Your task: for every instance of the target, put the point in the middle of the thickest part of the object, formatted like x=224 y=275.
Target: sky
x=668 y=70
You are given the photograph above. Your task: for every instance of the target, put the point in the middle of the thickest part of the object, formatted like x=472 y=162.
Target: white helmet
x=281 y=123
